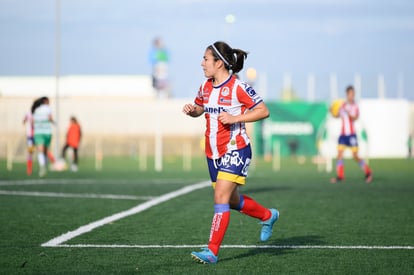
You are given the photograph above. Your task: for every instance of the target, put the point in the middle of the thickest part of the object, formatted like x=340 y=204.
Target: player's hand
x=226 y=118
x=342 y=112
x=188 y=109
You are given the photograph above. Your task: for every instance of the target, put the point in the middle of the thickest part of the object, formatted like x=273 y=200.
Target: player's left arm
x=354 y=115
x=51 y=118
x=259 y=112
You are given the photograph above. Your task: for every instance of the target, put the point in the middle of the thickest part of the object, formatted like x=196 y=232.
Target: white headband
x=220 y=56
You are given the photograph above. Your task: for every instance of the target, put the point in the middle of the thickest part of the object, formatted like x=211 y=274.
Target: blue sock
x=241 y=204
x=221 y=208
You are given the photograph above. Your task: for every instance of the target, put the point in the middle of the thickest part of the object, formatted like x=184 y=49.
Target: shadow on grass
x=299 y=240
x=249 y=190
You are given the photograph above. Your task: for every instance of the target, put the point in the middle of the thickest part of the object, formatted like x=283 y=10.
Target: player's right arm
x=193 y=110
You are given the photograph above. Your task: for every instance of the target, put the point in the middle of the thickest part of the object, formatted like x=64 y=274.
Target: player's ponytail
x=233 y=59
x=38 y=102
x=238 y=58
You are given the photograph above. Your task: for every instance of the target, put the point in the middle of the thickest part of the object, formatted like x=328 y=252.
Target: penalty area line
x=137 y=209
x=343 y=247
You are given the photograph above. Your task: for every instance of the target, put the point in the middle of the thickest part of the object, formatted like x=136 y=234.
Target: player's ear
x=219 y=63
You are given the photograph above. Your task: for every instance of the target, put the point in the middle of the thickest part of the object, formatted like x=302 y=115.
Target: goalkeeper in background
x=73 y=138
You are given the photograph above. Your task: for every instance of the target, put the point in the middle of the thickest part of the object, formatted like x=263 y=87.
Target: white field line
x=137 y=209
x=88 y=181
x=357 y=247
x=72 y=195
x=46 y=181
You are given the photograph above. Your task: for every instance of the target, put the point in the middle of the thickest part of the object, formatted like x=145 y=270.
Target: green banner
x=292 y=128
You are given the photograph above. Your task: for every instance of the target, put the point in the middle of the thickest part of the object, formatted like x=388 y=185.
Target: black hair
x=38 y=102
x=233 y=59
x=349 y=88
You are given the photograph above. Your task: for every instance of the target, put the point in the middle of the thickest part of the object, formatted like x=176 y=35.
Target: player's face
x=350 y=95
x=208 y=64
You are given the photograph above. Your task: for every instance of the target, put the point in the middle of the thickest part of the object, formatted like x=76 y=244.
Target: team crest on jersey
x=225 y=91
x=225 y=97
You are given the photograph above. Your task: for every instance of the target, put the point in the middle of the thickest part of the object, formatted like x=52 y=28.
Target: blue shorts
x=30 y=141
x=348 y=141
x=233 y=166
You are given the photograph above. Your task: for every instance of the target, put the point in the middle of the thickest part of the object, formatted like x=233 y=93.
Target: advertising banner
x=292 y=127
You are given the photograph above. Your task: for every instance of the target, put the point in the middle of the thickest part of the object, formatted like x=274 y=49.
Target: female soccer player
x=28 y=121
x=42 y=122
x=228 y=104
x=348 y=113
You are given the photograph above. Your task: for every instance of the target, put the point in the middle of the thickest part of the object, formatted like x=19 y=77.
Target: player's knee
x=220 y=197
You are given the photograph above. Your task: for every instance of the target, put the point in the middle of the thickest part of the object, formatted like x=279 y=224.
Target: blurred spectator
x=410 y=145
x=159 y=58
x=293 y=147
x=73 y=138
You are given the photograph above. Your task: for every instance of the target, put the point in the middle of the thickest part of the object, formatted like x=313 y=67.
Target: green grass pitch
x=313 y=213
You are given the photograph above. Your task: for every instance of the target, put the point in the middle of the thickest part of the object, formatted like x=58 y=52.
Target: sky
x=293 y=37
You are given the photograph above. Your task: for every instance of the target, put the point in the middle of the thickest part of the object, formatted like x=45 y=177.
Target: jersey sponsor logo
x=231 y=159
x=249 y=90
x=353 y=141
x=214 y=110
x=200 y=94
x=206 y=95
x=246 y=167
x=225 y=101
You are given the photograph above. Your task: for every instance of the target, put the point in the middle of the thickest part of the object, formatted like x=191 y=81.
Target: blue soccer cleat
x=267 y=226
x=205 y=256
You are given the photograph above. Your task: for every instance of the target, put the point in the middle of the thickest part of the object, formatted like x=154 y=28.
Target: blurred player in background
x=28 y=122
x=73 y=137
x=228 y=104
x=42 y=123
x=348 y=113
